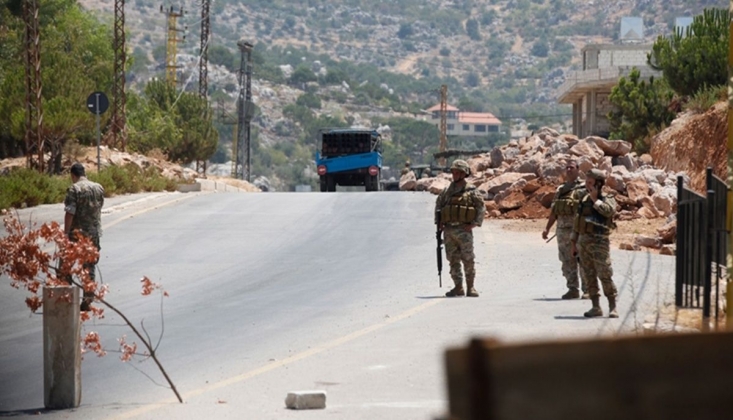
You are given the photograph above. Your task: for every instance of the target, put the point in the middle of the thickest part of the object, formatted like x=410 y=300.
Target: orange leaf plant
x=45 y=257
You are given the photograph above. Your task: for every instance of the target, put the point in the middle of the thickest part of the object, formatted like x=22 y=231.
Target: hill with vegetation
x=367 y=62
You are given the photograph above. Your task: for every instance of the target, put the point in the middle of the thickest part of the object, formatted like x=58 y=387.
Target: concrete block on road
x=306 y=400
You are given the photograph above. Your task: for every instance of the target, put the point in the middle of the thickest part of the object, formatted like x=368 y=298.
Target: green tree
x=641 y=108
x=309 y=100
x=76 y=60
x=472 y=29
x=405 y=31
x=540 y=48
x=224 y=57
x=302 y=74
x=697 y=58
x=178 y=123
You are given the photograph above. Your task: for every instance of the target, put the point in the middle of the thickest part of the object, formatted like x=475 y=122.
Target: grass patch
x=27 y=188
x=706 y=97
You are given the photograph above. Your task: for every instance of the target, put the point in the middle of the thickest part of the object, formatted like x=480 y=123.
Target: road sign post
x=97 y=103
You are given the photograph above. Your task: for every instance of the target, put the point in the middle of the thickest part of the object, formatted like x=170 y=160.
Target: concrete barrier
x=184 y=188
x=306 y=400
x=61 y=347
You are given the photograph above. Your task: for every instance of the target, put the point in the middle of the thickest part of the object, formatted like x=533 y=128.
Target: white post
x=61 y=347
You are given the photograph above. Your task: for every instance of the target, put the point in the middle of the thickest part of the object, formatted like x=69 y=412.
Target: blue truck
x=349 y=157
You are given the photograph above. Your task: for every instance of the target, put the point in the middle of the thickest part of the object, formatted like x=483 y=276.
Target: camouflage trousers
x=92 y=266
x=459 y=249
x=595 y=264
x=568 y=260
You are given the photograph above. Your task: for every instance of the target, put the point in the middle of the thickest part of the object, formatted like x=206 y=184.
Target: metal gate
x=702 y=244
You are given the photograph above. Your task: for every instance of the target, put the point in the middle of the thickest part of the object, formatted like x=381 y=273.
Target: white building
x=462 y=123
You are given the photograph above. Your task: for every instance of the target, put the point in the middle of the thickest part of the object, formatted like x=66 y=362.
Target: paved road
x=278 y=292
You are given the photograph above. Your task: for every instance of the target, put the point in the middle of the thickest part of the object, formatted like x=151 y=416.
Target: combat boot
x=471 y=291
x=612 y=312
x=595 y=310
x=571 y=294
x=456 y=291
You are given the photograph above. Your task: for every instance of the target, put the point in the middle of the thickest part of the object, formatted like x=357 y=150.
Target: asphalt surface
x=278 y=292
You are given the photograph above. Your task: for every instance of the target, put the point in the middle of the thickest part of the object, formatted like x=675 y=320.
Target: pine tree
x=698 y=57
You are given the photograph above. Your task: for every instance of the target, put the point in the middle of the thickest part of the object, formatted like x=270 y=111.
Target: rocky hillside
x=478 y=43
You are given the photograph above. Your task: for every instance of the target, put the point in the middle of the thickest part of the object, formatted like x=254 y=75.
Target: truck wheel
x=330 y=183
x=371 y=183
x=324 y=186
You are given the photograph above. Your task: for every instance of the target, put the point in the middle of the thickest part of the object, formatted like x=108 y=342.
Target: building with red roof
x=462 y=123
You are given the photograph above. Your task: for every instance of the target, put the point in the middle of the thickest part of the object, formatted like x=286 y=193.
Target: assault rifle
x=439 y=249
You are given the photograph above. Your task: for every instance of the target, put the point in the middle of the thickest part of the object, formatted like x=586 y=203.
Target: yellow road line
x=145 y=210
x=281 y=363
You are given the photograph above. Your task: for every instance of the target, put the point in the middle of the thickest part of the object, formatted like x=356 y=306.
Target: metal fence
x=702 y=244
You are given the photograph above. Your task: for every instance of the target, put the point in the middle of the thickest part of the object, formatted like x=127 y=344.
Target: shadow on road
x=571 y=317
x=18 y=413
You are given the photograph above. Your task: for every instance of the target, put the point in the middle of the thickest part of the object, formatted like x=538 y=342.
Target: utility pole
x=443 y=122
x=204 y=62
x=245 y=112
x=729 y=215
x=172 y=40
x=34 y=142
x=119 y=99
x=204 y=65
x=225 y=119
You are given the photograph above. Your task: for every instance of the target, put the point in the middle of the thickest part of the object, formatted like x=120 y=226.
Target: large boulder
x=510 y=199
x=408 y=181
x=500 y=183
x=611 y=147
x=627 y=161
x=668 y=232
x=497 y=157
x=637 y=189
x=551 y=170
x=589 y=149
x=438 y=186
x=665 y=200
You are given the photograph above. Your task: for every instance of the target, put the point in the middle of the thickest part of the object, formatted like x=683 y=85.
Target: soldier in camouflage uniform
x=459 y=209
x=563 y=211
x=83 y=207
x=593 y=224
x=406 y=169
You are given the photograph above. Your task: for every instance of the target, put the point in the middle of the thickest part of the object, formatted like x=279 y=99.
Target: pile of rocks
x=518 y=179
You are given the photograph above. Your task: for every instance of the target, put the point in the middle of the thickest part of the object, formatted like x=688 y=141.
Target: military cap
x=461 y=165
x=596 y=174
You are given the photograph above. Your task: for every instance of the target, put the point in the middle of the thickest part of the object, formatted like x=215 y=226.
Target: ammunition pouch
x=457 y=214
x=459 y=209
x=564 y=207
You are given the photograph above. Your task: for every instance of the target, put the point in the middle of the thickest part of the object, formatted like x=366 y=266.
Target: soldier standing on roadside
x=459 y=209
x=563 y=210
x=590 y=240
x=83 y=207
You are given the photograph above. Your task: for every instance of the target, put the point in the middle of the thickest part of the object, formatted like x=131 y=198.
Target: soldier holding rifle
x=564 y=207
x=459 y=209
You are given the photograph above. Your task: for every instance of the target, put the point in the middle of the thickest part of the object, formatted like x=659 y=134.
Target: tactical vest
x=460 y=208
x=565 y=205
x=589 y=220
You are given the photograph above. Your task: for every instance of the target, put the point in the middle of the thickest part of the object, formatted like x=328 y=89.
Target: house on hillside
x=462 y=123
x=588 y=90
